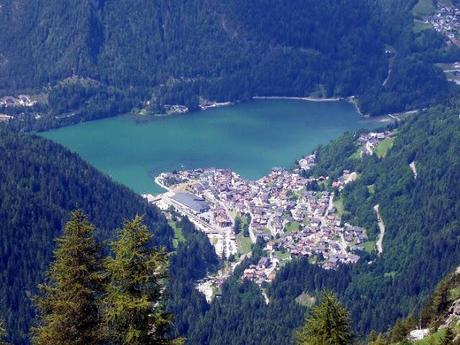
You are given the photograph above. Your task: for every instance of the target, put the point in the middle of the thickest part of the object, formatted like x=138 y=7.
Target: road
x=379 y=243
x=414 y=169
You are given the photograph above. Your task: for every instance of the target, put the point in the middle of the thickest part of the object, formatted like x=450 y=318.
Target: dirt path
x=414 y=169
x=379 y=243
x=388 y=76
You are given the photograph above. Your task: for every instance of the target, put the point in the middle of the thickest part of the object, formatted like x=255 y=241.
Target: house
x=264 y=262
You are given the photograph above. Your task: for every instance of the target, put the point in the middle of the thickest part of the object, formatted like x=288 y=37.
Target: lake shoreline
x=385 y=118
x=311 y=99
x=349 y=99
x=250 y=138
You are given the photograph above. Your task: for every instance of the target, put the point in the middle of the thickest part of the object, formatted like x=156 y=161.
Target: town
x=284 y=209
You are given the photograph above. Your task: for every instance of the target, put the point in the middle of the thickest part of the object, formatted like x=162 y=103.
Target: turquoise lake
x=249 y=138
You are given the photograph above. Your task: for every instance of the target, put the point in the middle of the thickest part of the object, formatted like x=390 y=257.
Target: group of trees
x=91 y=299
x=242 y=224
x=296 y=46
x=433 y=315
x=193 y=260
x=42 y=182
x=413 y=80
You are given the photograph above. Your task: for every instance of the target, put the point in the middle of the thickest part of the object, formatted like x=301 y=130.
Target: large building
x=191 y=201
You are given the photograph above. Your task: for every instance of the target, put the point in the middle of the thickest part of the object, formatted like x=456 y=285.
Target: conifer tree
x=377 y=339
x=329 y=324
x=134 y=303
x=448 y=337
x=68 y=303
x=2 y=334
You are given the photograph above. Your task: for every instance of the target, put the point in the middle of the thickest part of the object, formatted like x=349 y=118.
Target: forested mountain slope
x=171 y=52
x=436 y=324
x=41 y=183
x=420 y=214
x=141 y=43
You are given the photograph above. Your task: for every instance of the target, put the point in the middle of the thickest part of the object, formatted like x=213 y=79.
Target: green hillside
x=41 y=183
x=143 y=43
x=99 y=58
x=438 y=320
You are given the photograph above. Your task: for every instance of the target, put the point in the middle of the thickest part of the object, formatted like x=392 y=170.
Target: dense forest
x=438 y=318
x=87 y=63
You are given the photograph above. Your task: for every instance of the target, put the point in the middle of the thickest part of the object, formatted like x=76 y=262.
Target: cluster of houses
x=5 y=117
x=263 y=272
x=452 y=71
x=19 y=101
x=347 y=177
x=307 y=162
x=322 y=236
x=446 y=20
x=175 y=109
x=208 y=286
x=369 y=141
x=267 y=201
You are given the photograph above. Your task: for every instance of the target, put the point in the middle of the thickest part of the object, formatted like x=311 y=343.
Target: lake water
x=249 y=138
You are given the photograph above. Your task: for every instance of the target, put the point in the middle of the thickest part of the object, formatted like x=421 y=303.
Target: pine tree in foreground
x=68 y=304
x=328 y=324
x=134 y=301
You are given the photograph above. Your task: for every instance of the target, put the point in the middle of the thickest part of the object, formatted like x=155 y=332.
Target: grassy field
x=371 y=188
x=454 y=294
x=356 y=155
x=423 y=8
x=178 y=236
x=286 y=256
x=338 y=204
x=420 y=26
x=306 y=300
x=244 y=244
x=369 y=246
x=382 y=149
x=292 y=226
x=434 y=339
x=391 y=274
